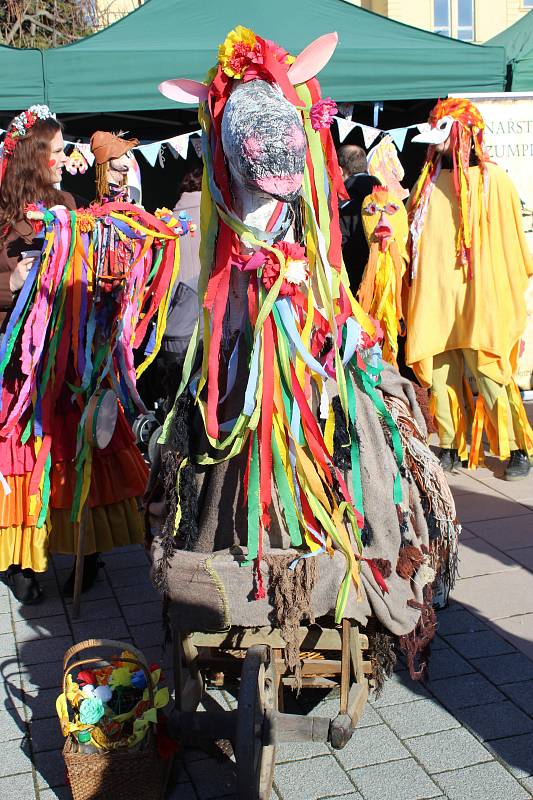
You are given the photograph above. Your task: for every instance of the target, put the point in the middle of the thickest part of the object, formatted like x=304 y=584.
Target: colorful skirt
x=119 y=476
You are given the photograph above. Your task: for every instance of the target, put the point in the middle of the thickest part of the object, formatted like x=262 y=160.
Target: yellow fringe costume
x=470 y=266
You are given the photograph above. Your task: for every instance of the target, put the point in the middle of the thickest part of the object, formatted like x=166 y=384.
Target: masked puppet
x=114 y=160
x=380 y=294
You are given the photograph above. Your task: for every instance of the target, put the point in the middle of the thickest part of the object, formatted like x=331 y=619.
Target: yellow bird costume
x=469 y=272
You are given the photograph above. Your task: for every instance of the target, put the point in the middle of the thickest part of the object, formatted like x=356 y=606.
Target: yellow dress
x=446 y=310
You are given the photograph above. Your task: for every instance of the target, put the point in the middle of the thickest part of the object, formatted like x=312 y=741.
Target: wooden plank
x=311 y=682
x=357 y=701
x=295 y=728
x=345 y=664
x=310 y=638
x=321 y=666
x=279 y=669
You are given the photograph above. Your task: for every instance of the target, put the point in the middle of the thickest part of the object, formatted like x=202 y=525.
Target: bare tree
x=46 y=23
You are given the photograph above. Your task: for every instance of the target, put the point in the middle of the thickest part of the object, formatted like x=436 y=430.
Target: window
x=528 y=3
x=465 y=20
x=441 y=17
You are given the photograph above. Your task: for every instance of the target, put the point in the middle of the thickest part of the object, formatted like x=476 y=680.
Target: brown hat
x=105 y=146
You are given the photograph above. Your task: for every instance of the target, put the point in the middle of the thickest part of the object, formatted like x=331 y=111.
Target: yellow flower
x=120 y=677
x=239 y=49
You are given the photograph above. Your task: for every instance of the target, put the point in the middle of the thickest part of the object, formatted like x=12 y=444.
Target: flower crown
x=22 y=124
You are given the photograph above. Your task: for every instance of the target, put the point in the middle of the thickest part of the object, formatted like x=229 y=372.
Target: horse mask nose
x=264 y=140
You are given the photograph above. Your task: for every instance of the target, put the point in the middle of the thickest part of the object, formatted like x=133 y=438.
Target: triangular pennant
x=398 y=136
x=85 y=150
x=197 y=144
x=180 y=144
x=369 y=134
x=422 y=127
x=150 y=151
x=344 y=127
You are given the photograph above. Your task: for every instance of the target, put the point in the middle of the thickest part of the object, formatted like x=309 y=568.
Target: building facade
x=469 y=20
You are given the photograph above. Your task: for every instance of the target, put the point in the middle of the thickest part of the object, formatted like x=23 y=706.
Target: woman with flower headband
x=30 y=170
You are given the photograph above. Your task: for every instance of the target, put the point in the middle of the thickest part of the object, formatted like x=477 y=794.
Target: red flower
x=322 y=113
x=296 y=269
x=87 y=678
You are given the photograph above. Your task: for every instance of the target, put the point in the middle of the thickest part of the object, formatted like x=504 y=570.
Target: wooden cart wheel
x=255 y=746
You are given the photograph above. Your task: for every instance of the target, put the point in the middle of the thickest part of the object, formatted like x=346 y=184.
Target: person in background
x=466 y=306
x=359 y=184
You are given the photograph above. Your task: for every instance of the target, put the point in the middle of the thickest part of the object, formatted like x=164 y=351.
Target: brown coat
x=20 y=238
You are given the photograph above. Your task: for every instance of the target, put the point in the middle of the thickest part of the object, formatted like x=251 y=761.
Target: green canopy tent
x=22 y=78
x=118 y=69
x=518 y=43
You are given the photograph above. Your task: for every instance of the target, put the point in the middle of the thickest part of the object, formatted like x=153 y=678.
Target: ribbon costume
x=102 y=276
x=284 y=446
x=466 y=302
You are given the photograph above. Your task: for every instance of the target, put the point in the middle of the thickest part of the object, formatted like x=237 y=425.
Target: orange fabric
x=117 y=476
x=26 y=546
x=115 y=525
x=18 y=508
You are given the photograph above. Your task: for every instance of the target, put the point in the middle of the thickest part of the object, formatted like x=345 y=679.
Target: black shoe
x=449 y=459
x=518 y=466
x=91 y=565
x=23 y=585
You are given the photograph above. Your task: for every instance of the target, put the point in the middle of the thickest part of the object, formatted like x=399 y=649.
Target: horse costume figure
x=293 y=449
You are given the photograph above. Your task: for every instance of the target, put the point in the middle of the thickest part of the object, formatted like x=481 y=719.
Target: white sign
x=509 y=136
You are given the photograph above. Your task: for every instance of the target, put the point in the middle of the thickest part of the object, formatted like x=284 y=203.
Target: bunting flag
x=345 y=127
x=370 y=134
x=105 y=275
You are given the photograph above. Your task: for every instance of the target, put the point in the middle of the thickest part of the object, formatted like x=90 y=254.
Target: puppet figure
x=113 y=162
x=380 y=294
x=466 y=306
x=282 y=425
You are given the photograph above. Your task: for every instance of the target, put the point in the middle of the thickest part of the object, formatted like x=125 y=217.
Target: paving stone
x=322 y=777
x=506 y=534
x=495 y=721
x=15 y=759
x=521 y=694
x=503 y=594
x=517 y=752
x=124 y=577
x=472 y=507
x=524 y=556
x=42 y=676
x=446 y=663
x=505 y=668
x=96 y=609
x=41 y=629
x=59 y=792
x=400 y=688
x=41 y=704
x=399 y=780
x=142 y=614
x=518 y=631
x=50 y=607
x=50 y=769
x=6 y=625
x=20 y=787
x=417 y=719
x=100 y=589
x=448 y=750
x=351 y=796
x=464 y=691
x=46 y=734
x=212 y=779
x=11 y=695
x=478 y=644
x=8 y=645
x=371 y=746
x=136 y=559
x=481 y=782
x=299 y=751
x=478 y=557
x=12 y=724
x=114 y=628
x=149 y=635
x=183 y=791
x=43 y=651
x=133 y=595
x=369 y=718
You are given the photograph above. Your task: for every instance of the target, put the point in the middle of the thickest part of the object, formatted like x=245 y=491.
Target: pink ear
x=183 y=90
x=313 y=58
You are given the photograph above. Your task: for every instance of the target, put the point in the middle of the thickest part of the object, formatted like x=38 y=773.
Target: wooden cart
x=330 y=656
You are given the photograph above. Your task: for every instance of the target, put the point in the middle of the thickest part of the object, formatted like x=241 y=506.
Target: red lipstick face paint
x=52 y=162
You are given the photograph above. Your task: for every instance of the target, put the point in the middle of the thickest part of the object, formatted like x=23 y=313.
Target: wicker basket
x=117 y=774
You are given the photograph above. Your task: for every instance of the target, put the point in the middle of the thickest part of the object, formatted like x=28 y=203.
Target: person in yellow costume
x=466 y=296
x=380 y=294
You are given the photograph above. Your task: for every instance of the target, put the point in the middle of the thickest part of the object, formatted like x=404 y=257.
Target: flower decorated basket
x=110 y=714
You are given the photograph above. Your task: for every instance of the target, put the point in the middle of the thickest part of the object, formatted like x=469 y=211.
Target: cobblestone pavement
x=467 y=734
